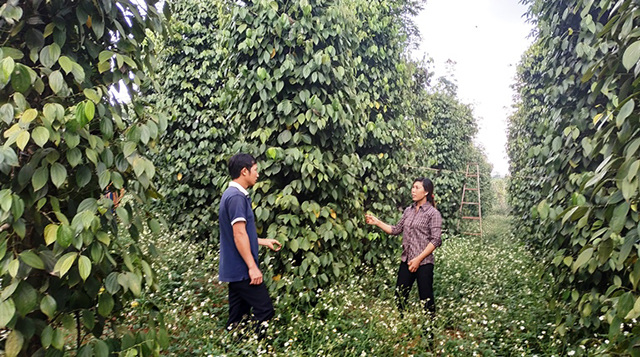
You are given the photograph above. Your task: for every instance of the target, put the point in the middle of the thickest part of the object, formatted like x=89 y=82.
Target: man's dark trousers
x=243 y=297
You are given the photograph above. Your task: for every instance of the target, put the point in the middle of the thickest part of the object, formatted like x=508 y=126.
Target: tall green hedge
x=192 y=153
x=291 y=87
x=573 y=146
x=324 y=95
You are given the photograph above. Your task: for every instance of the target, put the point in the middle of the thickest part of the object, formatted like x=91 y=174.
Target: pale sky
x=487 y=39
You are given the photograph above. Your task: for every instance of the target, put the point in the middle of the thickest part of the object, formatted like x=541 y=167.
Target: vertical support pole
x=464 y=189
x=479 y=200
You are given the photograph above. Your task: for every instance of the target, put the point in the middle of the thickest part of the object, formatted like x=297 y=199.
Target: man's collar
x=239 y=187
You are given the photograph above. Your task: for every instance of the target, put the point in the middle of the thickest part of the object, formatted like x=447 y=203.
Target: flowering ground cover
x=491 y=296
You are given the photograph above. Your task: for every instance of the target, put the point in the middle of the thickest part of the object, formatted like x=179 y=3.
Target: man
x=239 y=246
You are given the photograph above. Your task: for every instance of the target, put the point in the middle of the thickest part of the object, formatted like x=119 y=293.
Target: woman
x=421 y=225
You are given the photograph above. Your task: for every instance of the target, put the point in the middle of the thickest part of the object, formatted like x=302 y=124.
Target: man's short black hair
x=238 y=162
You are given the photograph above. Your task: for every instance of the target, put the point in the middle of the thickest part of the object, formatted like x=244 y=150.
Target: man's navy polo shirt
x=235 y=206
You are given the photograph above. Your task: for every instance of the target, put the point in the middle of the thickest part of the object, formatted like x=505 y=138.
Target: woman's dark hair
x=238 y=162
x=428 y=186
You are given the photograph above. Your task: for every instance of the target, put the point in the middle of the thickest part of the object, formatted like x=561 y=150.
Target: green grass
x=490 y=295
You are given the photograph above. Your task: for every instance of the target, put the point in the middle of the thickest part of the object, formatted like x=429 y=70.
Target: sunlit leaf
x=58 y=174
x=631 y=55
x=65 y=263
x=7 y=311
x=84 y=267
x=40 y=135
x=582 y=258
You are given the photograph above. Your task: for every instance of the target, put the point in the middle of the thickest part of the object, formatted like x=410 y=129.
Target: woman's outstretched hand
x=370 y=219
x=374 y=221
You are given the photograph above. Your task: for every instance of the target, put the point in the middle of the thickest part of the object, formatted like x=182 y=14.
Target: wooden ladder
x=471 y=203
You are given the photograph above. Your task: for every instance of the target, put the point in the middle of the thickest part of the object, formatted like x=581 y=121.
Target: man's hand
x=255 y=275
x=270 y=243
